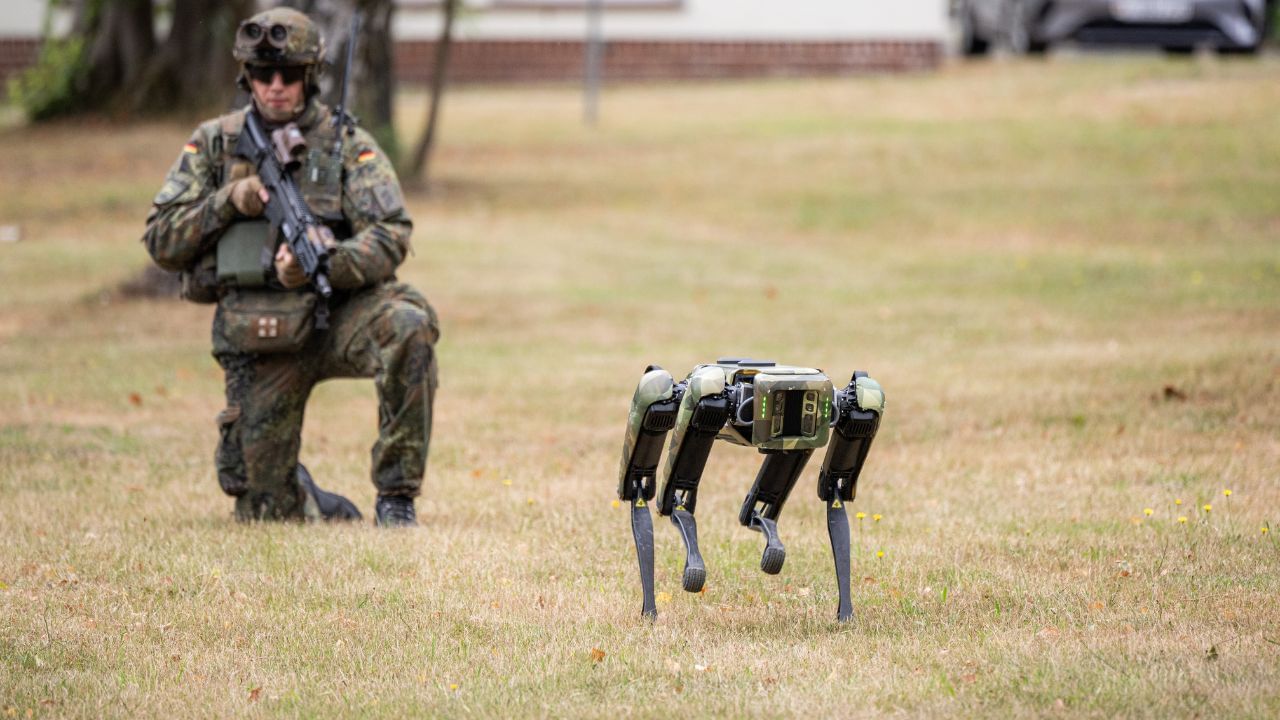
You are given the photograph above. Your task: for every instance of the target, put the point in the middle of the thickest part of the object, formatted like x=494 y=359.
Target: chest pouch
x=320 y=181
x=264 y=321
x=246 y=253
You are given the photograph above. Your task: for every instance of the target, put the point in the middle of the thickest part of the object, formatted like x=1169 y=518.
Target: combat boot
x=332 y=506
x=395 y=511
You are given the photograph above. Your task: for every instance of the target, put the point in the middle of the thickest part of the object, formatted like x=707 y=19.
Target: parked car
x=1032 y=26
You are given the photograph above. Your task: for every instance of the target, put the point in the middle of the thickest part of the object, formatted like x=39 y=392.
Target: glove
x=247 y=195
x=288 y=269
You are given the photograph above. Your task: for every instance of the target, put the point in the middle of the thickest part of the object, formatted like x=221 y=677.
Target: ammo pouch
x=264 y=321
x=200 y=281
x=246 y=255
x=244 y=258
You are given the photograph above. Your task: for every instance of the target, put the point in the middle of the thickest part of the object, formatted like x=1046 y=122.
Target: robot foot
x=838 y=531
x=642 y=531
x=774 y=553
x=695 y=571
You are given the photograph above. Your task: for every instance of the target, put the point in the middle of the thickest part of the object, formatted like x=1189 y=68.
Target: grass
x=1065 y=274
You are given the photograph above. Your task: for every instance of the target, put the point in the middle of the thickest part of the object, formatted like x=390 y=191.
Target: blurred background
x=130 y=58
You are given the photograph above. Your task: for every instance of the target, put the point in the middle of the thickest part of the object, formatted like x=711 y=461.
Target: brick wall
x=533 y=60
x=16 y=54
x=541 y=60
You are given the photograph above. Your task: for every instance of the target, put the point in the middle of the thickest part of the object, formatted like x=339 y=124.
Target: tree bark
x=193 y=69
x=419 y=172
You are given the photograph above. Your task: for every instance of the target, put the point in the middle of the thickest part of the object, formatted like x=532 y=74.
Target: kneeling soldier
x=280 y=327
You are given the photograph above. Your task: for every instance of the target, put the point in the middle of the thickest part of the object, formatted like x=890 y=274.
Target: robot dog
x=787 y=412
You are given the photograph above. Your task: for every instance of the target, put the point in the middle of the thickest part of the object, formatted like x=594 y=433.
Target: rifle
x=274 y=156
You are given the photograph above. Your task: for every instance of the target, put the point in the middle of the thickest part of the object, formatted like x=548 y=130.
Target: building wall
x=683 y=20
x=543 y=40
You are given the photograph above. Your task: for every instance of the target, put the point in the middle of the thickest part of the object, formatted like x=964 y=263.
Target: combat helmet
x=280 y=37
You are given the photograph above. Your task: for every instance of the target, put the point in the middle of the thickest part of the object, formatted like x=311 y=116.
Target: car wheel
x=971 y=44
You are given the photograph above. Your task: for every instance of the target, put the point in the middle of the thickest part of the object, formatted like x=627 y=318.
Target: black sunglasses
x=289 y=74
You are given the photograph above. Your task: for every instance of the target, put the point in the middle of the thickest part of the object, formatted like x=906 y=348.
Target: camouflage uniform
x=379 y=328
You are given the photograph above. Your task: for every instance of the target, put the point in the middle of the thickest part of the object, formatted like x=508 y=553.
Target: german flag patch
x=191 y=149
x=365 y=156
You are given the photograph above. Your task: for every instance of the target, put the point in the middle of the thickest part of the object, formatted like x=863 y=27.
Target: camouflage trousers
x=387 y=332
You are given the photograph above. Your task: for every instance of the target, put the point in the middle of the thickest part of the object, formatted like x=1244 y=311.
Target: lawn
x=1065 y=274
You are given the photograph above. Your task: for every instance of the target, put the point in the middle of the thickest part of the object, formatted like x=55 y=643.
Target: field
x=1066 y=275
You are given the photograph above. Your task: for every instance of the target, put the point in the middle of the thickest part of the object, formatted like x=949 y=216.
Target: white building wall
x=21 y=18
x=784 y=20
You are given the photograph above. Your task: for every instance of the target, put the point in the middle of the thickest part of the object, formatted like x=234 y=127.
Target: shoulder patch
x=191 y=148
x=365 y=156
x=389 y=199
x=172 y=190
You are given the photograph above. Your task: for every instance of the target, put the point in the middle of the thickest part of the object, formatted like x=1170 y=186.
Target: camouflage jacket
x=361 y=202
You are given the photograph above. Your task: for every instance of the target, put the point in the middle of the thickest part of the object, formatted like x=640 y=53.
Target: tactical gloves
x=246 y=194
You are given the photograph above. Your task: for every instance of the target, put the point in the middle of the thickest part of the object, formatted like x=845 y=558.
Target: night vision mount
x=786 y=412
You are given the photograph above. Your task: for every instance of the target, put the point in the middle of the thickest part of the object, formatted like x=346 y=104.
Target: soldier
x=263 y=335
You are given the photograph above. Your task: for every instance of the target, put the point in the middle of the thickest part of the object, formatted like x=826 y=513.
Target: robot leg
x=858 y=410
x=653 y=412
x=764 y=503
x=704 y=409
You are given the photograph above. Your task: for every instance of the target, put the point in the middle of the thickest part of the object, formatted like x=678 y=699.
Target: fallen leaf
x=254 y=693
x=1173 y=393
x=969 y=678
x=135 y=399
x=597 y=655
x=1096 y=605
x=770 y=292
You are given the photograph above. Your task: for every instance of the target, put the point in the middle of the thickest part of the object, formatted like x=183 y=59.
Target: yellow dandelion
x=529 y=501
x=1264 y=530
x=1178 y=501
x=860 y=515
x=453 y=687
x=1148 y=512
x=507 y=482
x=877 y=517
x=1208 y=507
x=879 y=553
x=1182 y=518
x=1226 y=493
x=617 y=503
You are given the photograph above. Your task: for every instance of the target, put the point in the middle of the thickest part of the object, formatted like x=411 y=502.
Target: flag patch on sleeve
x=365 y=156
x=190 y=149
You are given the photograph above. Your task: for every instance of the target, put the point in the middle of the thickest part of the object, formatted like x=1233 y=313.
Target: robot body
x=786 y=412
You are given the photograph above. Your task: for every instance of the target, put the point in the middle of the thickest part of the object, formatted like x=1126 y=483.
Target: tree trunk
x=120 y=37
x=419 y=173
x=193 y=68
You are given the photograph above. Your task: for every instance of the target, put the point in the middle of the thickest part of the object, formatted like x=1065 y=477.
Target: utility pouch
x=246 y=255
x=200 y=282
x=264 y=321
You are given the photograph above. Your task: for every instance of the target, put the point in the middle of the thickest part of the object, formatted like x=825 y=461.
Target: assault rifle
x=274 y=156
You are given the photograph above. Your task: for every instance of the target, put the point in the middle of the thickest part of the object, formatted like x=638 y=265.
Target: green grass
x=1025 y=255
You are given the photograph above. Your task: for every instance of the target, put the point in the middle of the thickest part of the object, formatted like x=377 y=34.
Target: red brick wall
x=16 y=54
x=540 y=60
x=533 y=60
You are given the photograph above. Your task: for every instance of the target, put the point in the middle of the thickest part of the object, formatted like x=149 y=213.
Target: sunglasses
x=289 y=74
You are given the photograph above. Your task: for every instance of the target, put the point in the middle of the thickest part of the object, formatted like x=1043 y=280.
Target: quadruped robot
x=786 y=412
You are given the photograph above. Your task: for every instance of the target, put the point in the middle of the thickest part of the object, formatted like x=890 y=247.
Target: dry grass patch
x=1064 y=274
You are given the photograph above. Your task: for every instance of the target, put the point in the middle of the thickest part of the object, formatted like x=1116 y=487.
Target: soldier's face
x=277 y=100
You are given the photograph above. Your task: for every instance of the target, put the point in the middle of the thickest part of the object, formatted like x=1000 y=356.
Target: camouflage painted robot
x=786 y=412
